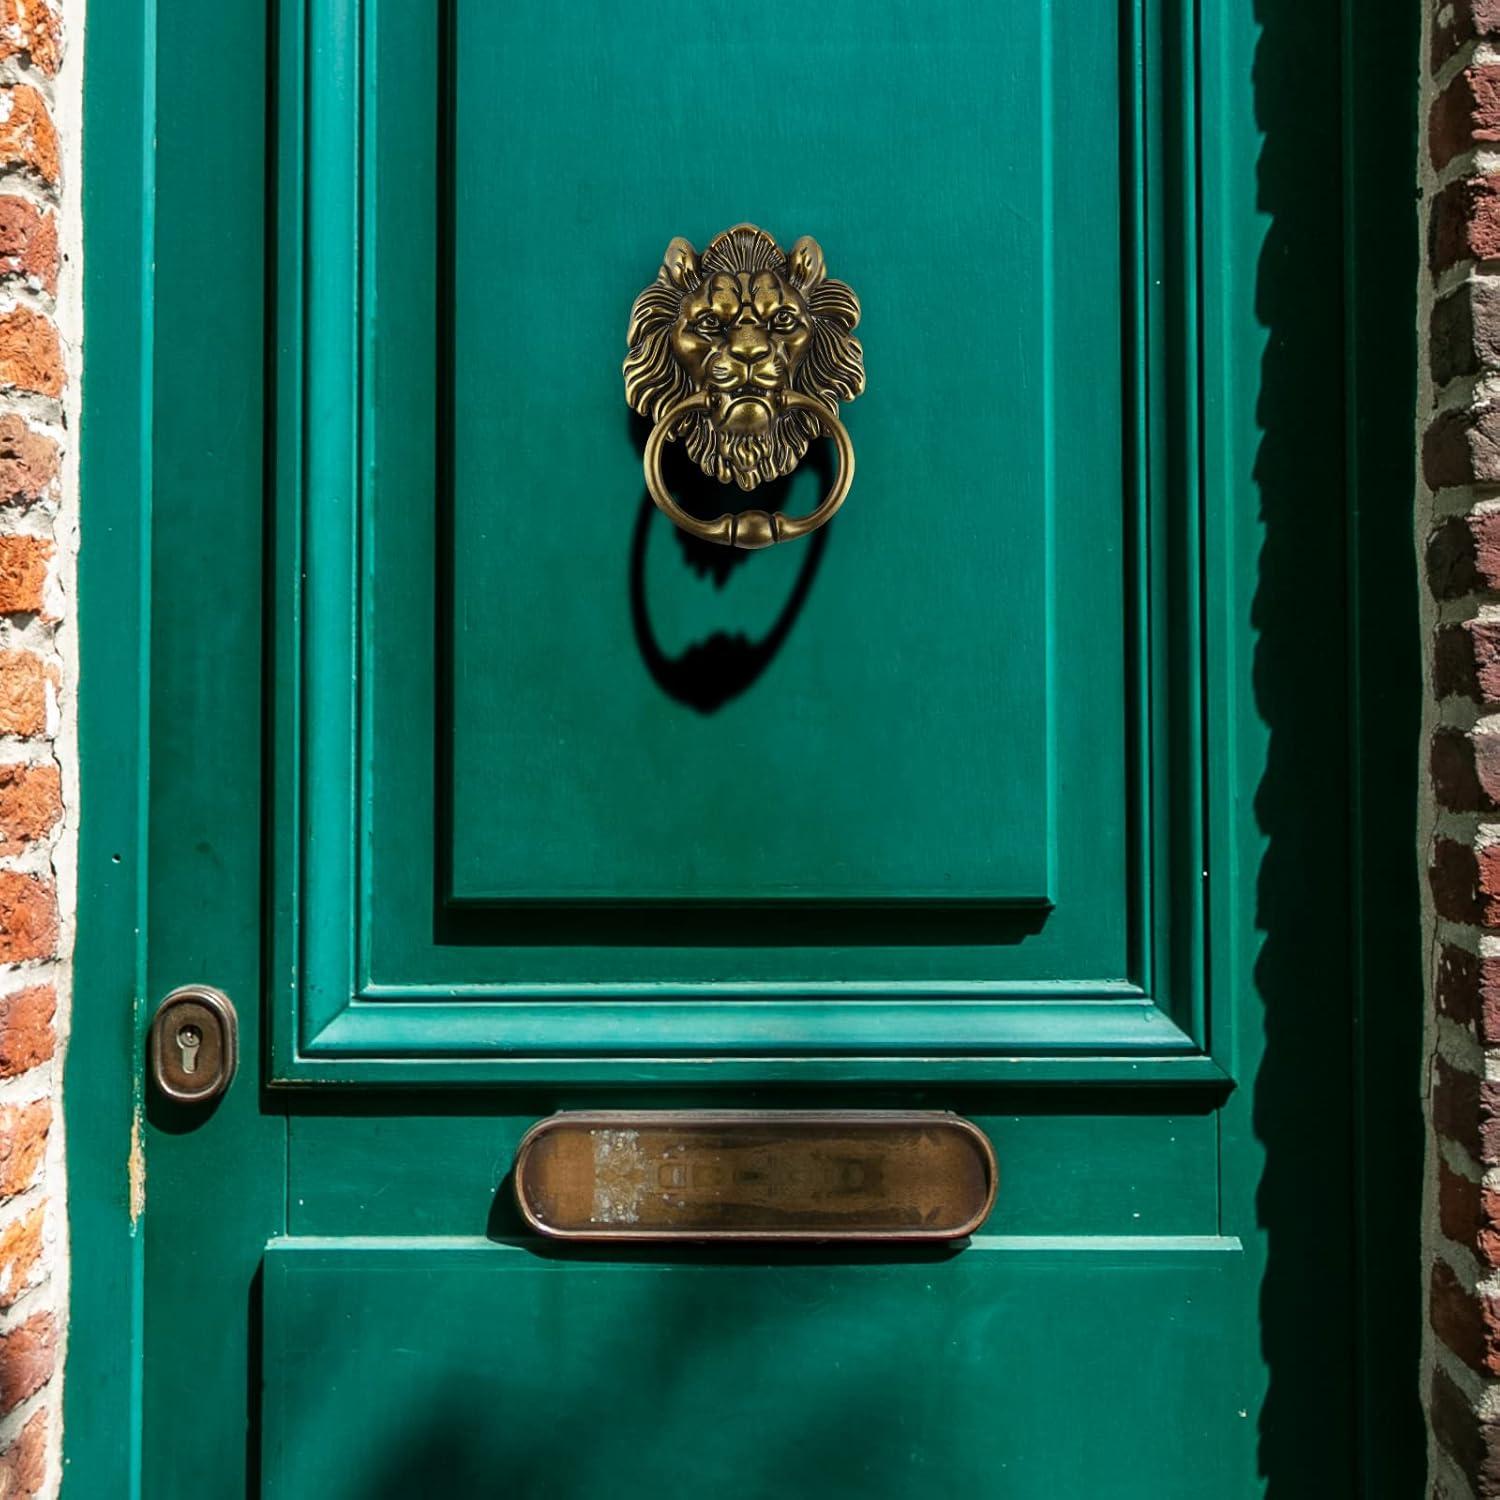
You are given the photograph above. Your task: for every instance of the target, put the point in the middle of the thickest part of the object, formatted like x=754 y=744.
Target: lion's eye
x=709 y=325
x=785 y=321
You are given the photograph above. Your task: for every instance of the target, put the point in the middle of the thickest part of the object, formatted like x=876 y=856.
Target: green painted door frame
x=1310 y=372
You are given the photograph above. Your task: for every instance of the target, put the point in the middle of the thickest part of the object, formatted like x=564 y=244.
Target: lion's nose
x=749 y=345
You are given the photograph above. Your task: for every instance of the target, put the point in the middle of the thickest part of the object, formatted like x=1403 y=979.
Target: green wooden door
x=484 y=793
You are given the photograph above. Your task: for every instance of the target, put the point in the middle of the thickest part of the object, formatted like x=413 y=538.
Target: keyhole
x=189 y=1039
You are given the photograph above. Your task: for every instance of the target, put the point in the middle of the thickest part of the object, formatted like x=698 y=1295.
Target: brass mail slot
x=755 y=1175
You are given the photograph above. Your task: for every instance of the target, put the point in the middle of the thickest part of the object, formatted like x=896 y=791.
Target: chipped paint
x=136 y=1169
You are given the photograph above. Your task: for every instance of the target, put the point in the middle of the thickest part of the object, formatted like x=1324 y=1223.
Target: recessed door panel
x=488 y=1369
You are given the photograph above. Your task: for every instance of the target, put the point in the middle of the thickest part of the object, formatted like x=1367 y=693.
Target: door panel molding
x=379 y=972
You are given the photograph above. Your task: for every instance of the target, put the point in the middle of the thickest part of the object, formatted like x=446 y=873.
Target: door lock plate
x=193 y=1047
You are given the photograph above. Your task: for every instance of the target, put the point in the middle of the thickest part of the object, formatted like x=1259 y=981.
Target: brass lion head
x=744 y=323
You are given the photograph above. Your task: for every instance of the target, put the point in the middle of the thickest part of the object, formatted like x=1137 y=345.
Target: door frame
x=154 y=227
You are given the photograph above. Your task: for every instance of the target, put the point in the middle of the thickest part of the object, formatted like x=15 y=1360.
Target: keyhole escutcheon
x=193 y=1048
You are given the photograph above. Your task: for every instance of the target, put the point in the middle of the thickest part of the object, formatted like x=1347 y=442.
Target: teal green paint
x=837 y=790
x=1274 y=563
x=1175 y=1217
x=284 y=545
x=102 y=1387
x=1157 y=1177
x=1101 y=931
x=857 y=1377
x=215 y=1187
x=329 y=428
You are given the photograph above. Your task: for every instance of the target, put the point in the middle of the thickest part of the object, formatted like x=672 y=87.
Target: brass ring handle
x=750 y=530
x=743 y=353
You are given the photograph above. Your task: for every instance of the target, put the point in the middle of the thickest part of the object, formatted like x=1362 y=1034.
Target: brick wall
x=37 y=383
x=1459 y=530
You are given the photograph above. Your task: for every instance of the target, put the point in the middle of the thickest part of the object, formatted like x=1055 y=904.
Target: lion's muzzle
x=741 y=410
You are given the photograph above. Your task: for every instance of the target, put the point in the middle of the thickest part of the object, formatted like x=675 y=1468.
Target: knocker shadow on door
x=723 y=665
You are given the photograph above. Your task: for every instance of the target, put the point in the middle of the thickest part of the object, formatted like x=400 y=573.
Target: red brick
x=1455 y=1106
x=28 y=138
x=20 y=1254
x=1458 y=1206
x=1453 y=674
x=1467 y=1322
x=31 y=356
x=1453 y=875
x=1460 y=22
x=1484 y=527
x=1465 y=769
x=1466 y=661
x=30 y=804
x=28 y=1354
x=1466 y=1110
x=1465 y=114
x=1467 y=991
x=1463 y=555
x=23 y=574
x=1465 y=223
x=23 y=693
x=31 y=32
x=23 y=1465
x=1462 y=446
x=1469 y=1214
x=1488 y=864
x=1488 y=1243
x=1489 y=1123
x=1452 y=559
x=1465 y=330
x=28 y=917
x=1472 y=1444
x=1489 y=1002
x=1456 y=984
x=23 y=1141
x=1451 y=336
x=29 y=462
x=28 y=243
x=27 y=1035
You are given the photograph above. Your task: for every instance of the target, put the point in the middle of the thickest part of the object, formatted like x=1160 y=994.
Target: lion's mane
x=832 y=370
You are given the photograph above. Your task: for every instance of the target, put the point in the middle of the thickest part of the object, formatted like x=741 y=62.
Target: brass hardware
x=745 y=353
x=755 y=1175
x=193 y=1047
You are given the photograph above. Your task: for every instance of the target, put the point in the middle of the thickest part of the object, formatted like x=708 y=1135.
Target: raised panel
x=898 y=744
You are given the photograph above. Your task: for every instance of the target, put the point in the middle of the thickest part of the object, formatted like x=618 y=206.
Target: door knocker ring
x=745 y=353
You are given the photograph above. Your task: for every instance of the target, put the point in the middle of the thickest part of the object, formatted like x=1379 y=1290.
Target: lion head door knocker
x=745 y=352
